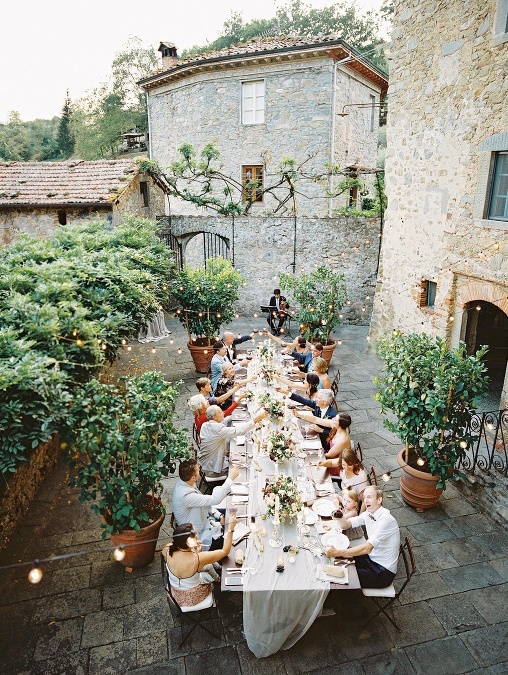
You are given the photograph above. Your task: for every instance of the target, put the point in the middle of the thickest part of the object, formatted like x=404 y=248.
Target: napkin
x=239 y=499
x=240 y=531
x=320 y=574
x=311 y=443
x=239 y=489
x=240 y=440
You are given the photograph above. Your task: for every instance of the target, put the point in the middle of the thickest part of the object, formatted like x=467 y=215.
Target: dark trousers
x=217 y=544
x=371 y=574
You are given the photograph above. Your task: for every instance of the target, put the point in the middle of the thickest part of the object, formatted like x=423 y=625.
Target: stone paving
x=88 y=616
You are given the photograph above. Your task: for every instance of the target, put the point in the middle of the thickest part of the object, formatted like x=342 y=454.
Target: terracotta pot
x=417 y=488
x=201 y=355
x=328 y=350
x=140 y=546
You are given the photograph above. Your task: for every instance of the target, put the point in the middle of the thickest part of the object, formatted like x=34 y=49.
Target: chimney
x=169 y=55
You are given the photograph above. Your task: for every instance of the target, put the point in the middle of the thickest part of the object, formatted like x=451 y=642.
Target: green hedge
x=67 y=305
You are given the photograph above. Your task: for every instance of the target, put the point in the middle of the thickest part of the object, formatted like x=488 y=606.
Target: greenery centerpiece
x=321 y=295
x=432 y=391
x=273 y=403
x=290 y=501
x=121 y=445
x=281 y=446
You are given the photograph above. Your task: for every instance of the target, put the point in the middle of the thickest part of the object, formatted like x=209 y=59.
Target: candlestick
x=277 y=506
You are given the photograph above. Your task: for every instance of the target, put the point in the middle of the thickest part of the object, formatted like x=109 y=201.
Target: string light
x=119 y=553
x=35 y=575
x=79 y=343
x=420 y=461
x=124 y=342
x=153 y=350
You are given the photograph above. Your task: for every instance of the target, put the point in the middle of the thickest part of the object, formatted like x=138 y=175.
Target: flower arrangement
x=273 y=404
x=280 y=446
x=290 y=502
x=267 y=375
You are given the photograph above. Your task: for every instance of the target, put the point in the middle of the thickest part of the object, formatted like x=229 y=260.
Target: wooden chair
x=359 y=452
x=372 y=477
x=196 y=615
x=335 y=383
x=385 y=597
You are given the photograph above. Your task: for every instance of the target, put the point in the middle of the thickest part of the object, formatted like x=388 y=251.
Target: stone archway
x=487 y=325
x=198 y=247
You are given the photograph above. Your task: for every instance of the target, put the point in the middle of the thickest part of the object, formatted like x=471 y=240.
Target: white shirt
x=384 y=535
x=214 y=443
x=191 y=506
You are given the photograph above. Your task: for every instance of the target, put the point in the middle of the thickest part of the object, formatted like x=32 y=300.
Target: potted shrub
x=321 y=295
x=206 y=296
x=121 y=445
x=432 y=391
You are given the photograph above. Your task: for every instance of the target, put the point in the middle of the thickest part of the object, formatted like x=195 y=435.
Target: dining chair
x=372 y=477
x=385 y=597
x=359 y=452
x=335 y=383
x=196 y=615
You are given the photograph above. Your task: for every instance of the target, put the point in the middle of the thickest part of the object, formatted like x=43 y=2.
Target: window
x=427 y=297
x=62 y=217
x=501 y=23
x=498 y=206
x=371 y=114
x=143 y=188
x=253 y=102
x=252 y=181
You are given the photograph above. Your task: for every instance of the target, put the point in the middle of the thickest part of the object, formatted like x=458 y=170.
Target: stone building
x=444 y=263
x=36 y=197
x=315 y=100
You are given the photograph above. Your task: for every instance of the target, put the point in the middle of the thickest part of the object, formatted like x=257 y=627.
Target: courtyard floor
x=88 y=616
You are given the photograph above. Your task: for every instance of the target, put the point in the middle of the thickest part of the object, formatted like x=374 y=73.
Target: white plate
x=335 y=539
x=320 y=574
x=239 y=490
x=310 y=517
x=324 y=507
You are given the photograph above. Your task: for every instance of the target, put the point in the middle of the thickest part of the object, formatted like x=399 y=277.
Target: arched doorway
x=486 y=324
x=198 y=247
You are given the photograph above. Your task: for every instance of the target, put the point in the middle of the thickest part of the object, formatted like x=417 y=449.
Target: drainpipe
x=149 y=126
x=332 y=134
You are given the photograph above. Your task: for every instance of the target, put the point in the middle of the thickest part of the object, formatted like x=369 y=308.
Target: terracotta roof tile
x=70 y=182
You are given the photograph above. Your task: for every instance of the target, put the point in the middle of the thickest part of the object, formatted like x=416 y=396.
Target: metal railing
x=489 y=451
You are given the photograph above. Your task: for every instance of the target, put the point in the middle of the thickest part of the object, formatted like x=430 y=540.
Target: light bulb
x=129 y=349
x=79 y=343
x=205 y=351
x=35 y=574
x=179 y=350
x=119 y=553
x=124 y=342
x=463 y=444
x=420 y=461
x=104 y=347
x=386 y=476
x=153 y=350
x=478 y=307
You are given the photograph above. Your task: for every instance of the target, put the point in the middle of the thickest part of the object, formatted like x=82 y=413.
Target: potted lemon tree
x=121 y=445
x=206 y=296
x=320 y=295
x=432 y=391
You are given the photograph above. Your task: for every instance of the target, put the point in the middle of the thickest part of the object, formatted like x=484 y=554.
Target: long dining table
x=280 y=606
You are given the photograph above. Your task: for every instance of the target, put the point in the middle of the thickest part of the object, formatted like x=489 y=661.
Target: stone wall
x=40 y=222
x=299 y=100
x=19 y=489
x=447 y=115
x=263 y=248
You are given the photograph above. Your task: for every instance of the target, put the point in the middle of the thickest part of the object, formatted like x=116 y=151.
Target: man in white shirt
x=376 y=560
x=191 y=506
x=213 y=452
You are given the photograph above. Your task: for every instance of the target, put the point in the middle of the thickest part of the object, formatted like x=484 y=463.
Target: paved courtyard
x=88 y=616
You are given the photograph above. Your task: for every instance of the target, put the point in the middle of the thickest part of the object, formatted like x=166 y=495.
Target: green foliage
x=122 y=444
x=432 y=391
x=28 y=141
x=65 y=139
x=206 y=295
x=66 y=306
x=321 y=295
x=298 y=18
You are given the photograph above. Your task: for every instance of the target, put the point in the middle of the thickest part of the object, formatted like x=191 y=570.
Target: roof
x=267 y=49
x=64 y=183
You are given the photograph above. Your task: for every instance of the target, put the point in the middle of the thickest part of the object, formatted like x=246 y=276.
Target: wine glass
x=336 y=516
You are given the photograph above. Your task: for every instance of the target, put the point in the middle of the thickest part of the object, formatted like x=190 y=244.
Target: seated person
x=226 y=383
x=376 y=560
x=231 y=341
x=338 y=438
x=350 y=502
x=189 y=567
x=323 y=409
x=218 y=360
x=199 y=405
x=310 y=386
x=352 y=475
x=189 y=503
x=215 y=437
x=279 y=313
x=204 y=387
x=320 y=367
x=302 y=351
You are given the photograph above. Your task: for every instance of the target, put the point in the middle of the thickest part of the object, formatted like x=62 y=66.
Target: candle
x=280 y=560
x=277 y=508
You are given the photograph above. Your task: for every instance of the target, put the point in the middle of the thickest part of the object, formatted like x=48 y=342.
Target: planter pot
x=417 y=488
x=328 y=350
x=140 y=546
x=201 y=355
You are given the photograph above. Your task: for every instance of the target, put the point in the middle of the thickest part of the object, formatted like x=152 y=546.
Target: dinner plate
x=240 y=440
x=324 y=507
x=335 y=539
x=321 y=574
x=239 y=490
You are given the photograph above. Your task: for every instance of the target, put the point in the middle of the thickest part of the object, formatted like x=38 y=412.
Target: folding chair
x=385 y=597
x=335 y=383
x=372 y=477
x=192 y=613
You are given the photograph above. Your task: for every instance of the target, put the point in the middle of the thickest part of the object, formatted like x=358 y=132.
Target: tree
x=101 y=117
x=28 y=141
x=65 y=138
